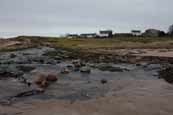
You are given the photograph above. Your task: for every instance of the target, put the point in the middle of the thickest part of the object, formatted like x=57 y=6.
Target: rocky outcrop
x=85 y=70
x=167 y=74
x=51 y=78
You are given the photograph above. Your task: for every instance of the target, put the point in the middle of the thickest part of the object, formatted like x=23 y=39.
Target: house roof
x=72 y=35
x=136 y=31
x=87 y=34
x=105 y=31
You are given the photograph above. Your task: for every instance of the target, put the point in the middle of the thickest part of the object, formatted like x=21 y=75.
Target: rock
x=77 y=69
x=6 y=74
x=85 y=70
x=40 y=81
x=51 y=62
x=51 y=78
x=111 y=68
x=40 y=60
x=26 y=68
x=12 y=55
x=40 y=90
x=104 y=81
x=57 y=58
x=69 y=66
x=167 y=74
x=91 y=65
x=25 y=94
x=83 y=64
x=25 y=54
x=77 y=63
x=65 y=71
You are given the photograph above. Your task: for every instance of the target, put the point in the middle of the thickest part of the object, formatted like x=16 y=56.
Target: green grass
x=84 y=43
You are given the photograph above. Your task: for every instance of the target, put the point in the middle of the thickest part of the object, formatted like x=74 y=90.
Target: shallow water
x=139 y=80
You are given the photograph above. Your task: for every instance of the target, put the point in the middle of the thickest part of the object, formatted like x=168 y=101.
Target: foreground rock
x=26 y=68
x=107 y=67
x=6 y=74
x=85 y=70
x=51 y=78
x=40 y=82
x=167 y=74
x=65 y=71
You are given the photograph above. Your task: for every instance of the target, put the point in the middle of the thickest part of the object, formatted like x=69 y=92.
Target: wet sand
x=135 y=99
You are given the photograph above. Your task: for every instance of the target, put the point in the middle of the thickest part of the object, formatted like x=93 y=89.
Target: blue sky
x=57 y=17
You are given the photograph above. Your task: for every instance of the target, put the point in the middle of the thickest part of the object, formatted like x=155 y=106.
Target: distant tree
x=170 y=31
x=162 y=33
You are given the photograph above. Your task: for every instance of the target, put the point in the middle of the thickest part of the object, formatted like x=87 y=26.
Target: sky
x=59 y=17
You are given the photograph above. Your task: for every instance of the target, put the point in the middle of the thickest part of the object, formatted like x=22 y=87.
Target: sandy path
x=5 y=44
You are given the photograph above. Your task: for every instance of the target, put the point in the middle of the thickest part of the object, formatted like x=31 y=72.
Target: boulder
x=65 y=71
x=110 y=68
x=6 y=74
x=40 y=81
x=104 y=81
x=70 y=66
x=167 y=74
x=26 y=68
x=85 y=70
x=52 y=62
x=77 y=63
x=12 y=55
x=51 y=78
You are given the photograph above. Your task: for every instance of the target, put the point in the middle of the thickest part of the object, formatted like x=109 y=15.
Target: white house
x=88 y=35
x=72 y=35
x=136 y=32
x=106 y=34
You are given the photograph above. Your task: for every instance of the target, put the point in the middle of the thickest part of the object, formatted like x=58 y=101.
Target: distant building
x=136 y=33
x=72 y=36
x=122 y=35
x=88 y=35
x=106 y=34
x=152 y=33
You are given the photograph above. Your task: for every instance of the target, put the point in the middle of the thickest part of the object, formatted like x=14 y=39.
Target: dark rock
x=77 y=63
x=25 y=94
x=138 y=64
x=104 y=81
x=77 y=69
x=12 y=56
x=6 y=74
x=51 y=62
x=85 y=70
x=29 y=84
x=69 y=66
x=65 y=71
x=111 y=68
x=41 y=61
x=57 y=58
x=26 y=68
x=167 y=74
x=26 y=54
